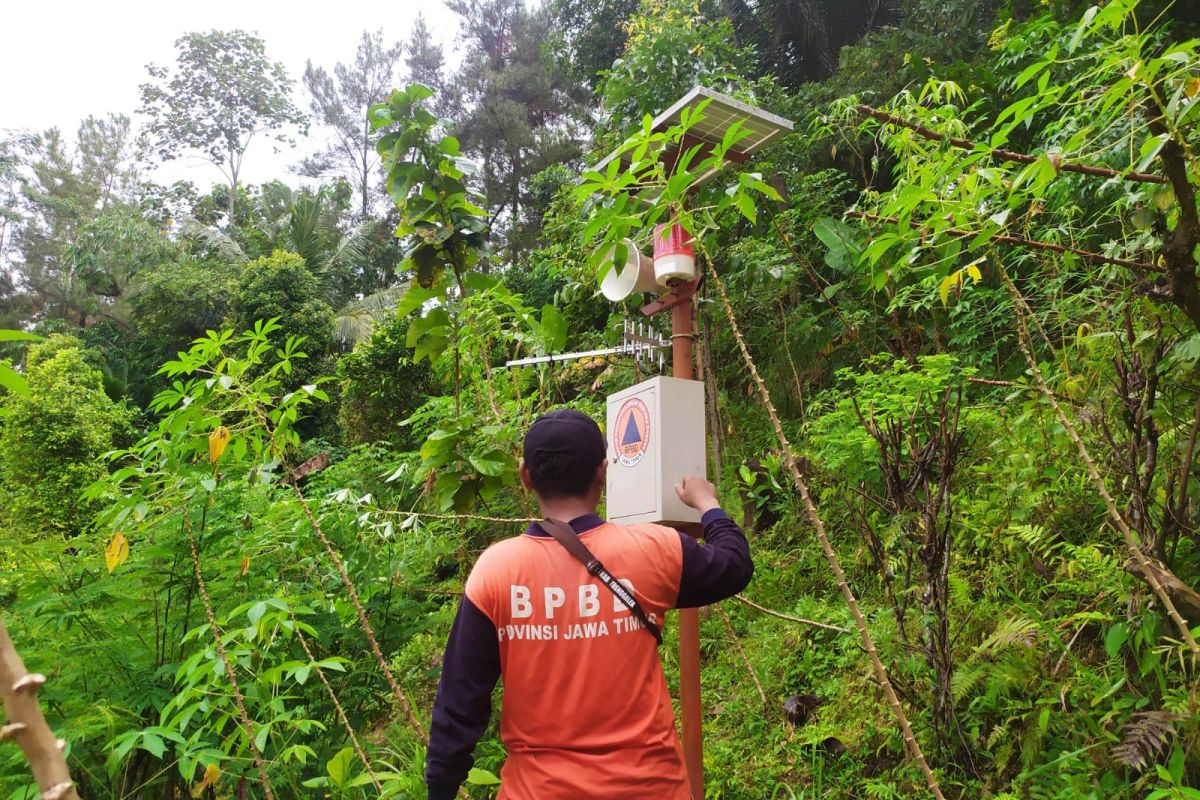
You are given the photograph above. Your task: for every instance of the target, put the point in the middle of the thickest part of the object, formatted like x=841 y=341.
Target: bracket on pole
x=680 y=293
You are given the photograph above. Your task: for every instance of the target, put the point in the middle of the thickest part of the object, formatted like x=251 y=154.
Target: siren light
x=674 y=255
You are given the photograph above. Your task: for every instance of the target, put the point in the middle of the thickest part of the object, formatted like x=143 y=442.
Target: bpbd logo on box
x=631 y=434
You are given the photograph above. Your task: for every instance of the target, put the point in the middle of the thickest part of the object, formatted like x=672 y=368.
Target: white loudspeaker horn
x=636 y=276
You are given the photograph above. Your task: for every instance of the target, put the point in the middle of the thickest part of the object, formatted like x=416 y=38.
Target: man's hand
x=698 y=493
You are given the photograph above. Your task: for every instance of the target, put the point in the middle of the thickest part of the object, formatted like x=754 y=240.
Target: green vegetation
x=251 y=441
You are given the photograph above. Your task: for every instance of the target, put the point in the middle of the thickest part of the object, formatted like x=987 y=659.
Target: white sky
x=65 y=59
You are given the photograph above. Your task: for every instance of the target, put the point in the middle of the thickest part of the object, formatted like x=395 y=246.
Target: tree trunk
x=1185 y=598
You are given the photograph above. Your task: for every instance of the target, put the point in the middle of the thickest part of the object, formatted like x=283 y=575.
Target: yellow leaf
x=217 y=440
x=245 y=566
x=117 y=551
x=951 y=281
x=211 y=773
x=974 y=272
x=1084 y=330
x=1192 y=87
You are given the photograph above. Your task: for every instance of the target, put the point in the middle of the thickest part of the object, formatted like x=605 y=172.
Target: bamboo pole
x=799 y=620
x=1009 y=155
x=690 y=710
x=814 y=518
x=238 y=699
x=26 y=725
x=341 y=714
x=364 y=623
x=1110 y=504
x=1087 y=255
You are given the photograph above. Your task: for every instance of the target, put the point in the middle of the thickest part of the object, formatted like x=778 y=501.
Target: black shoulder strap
x=567 y=537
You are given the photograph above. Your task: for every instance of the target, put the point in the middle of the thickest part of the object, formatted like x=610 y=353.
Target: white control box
x=655 y=435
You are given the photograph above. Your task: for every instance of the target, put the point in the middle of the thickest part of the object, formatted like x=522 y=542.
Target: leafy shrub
x=51 y=442
x=381 y=387
x=280 y=286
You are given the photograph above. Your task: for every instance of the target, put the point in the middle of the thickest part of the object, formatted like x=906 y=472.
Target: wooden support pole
x=682 y=335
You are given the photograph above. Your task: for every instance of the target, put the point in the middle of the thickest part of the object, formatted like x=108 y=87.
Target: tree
x=799 y=40
x=671 y=48
x=339 y=103
x=381 y=387
x=15 y=151
x=425 y=60
x=53 y=439
x=522 y=115
x=66 y=190
x=302 y=222
x=108 y=258
x=182 y=300
x=223 y=92
x=280 y=286
x=106 y=157
x=591 y=36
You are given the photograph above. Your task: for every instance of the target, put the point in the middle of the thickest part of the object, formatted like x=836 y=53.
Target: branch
x=337 y=706
x=1178 y=251
x=27 y=726
x=741 y=652
x=1139 y=557
x=1090 y=255
x=364 y=623
x=801 y=620
x=1008 y=155
x=1024 y=387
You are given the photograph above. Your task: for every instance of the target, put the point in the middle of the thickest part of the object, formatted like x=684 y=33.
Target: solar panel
x=718 y=115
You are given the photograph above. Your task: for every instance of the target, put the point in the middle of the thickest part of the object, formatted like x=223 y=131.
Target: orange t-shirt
x=586 y=710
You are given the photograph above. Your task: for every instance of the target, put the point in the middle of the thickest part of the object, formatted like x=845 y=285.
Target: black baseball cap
x=562 y=451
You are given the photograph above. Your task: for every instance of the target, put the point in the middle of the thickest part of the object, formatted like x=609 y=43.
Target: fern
x=1035 y=538
x=1012 y=632
x=1143 y=738
x=966 y=678
x=882 y=789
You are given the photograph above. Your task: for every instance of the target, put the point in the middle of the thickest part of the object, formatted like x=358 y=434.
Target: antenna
x=639 y=340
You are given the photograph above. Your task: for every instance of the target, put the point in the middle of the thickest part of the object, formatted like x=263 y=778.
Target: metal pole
x=682 y=319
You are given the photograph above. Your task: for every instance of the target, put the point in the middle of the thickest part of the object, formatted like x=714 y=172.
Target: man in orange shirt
x=586 y=712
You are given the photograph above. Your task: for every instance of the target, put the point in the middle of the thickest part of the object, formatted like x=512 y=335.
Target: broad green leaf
x=153 y=744
x=481 y=777
x=841 y=242
x=1088 y=16
x=493 y=464
x=13 y=381
x=746 y=206
x=260 y=738
x=256 y=612
x=338 y=767
x=414 y=298
x=554 y=328
x=1117 y=635
x=18 y=336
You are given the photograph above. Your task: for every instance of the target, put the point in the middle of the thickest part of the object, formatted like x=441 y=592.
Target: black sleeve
x=463 y=706
x=719 y=568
